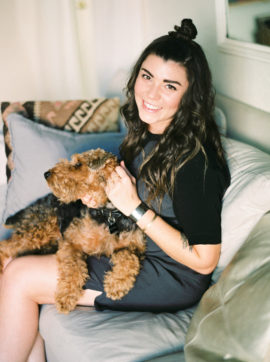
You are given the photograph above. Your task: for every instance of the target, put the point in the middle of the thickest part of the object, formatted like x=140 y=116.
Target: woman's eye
x=146 y=76
x=171 y=87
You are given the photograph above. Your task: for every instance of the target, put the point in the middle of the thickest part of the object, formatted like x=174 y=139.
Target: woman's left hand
x=121 y=190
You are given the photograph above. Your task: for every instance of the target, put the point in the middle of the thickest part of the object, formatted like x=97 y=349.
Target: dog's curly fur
x=60 y=223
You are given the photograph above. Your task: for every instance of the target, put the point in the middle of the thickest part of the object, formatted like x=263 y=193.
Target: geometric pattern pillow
x=80 y=116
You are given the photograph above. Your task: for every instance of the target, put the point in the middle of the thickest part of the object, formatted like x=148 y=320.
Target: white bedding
x=2 y=174
x=2 y=160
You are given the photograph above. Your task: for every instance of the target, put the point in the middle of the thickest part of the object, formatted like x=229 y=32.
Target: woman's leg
x=27 y=282
x=38 y=351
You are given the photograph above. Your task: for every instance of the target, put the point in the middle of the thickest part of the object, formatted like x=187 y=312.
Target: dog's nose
x=47 y=174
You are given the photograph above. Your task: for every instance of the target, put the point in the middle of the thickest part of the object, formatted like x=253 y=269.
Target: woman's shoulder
x=205 y=165
x=205 y=157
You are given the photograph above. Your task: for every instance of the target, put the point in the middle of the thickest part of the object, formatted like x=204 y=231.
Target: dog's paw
x=116 y=287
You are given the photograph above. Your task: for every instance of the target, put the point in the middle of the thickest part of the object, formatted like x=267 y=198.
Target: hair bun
x=187 y=30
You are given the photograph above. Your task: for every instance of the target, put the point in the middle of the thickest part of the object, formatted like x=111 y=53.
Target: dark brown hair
x=193 y=123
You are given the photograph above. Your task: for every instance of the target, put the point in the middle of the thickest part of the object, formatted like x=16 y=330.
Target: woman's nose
x=154 y=91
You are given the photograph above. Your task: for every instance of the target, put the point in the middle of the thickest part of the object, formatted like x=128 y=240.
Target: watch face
x=138 y=212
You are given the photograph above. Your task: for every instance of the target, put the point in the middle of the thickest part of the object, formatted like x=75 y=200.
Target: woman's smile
x=159 y=88
x=150 y=107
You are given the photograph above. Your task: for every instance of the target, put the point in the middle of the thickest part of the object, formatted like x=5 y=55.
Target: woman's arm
x=121 y=190
x=202 y=257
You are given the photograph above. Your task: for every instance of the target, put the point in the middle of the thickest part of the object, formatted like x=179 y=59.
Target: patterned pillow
x=36 y=148
x=80 y=116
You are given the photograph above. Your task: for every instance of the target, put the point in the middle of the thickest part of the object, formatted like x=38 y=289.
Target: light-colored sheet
x=2 y=174
x=2 y=160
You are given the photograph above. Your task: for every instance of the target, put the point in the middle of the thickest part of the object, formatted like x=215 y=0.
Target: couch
x=231 y=322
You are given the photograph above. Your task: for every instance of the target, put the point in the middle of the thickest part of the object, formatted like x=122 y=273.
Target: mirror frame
x=236 y=47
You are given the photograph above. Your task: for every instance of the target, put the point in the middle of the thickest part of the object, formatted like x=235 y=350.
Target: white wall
x=236 y=77
x=116 y=54
x=242 y=79
x=40 y=53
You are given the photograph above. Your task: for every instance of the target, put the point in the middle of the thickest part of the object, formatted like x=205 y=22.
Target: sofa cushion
x=36 y=148
x=81 y=116
x=232 y=321
x=31 y=160
x=87 y=335
x=246 y=200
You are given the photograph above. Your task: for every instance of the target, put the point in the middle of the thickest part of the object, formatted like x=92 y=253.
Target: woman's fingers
x=123 y=172
x=120 y=189
x=89 y=201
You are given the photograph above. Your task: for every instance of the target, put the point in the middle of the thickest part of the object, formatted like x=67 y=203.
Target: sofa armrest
x=233 y=321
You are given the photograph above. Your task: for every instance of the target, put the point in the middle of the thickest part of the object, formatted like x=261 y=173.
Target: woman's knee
x=13 y=280
x=13 y=271
x=32 y=276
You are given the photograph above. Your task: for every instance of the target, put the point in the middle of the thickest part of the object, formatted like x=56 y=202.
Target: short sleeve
x=197 y=201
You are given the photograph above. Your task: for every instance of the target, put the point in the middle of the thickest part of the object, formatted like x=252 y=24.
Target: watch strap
x=138 y=213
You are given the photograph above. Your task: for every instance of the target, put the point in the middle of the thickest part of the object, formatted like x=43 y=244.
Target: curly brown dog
x=61 y=222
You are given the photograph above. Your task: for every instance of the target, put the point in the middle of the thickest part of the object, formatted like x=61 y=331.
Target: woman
x=173 y=150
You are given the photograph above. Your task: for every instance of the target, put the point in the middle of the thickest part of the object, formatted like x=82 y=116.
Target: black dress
x=164 y=285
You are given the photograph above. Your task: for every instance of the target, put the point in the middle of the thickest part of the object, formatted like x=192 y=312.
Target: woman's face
x=159 y=88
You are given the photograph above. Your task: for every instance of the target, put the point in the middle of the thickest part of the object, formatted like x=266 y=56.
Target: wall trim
x=236 y=47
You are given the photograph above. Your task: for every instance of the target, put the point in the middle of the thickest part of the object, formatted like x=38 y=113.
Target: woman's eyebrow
x=172 y=81
x=165 y=80
x=147 y=71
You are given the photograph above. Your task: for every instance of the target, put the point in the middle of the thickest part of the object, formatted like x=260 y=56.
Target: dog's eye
x=77 y=165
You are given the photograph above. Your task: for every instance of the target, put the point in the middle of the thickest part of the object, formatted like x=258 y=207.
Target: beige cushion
x=246 y=200
x=232 y=321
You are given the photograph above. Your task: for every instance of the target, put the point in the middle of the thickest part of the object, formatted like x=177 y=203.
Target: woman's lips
x=150 y=107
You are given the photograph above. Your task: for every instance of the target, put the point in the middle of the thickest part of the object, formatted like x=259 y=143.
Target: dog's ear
x=99 y=162
x=96 y=163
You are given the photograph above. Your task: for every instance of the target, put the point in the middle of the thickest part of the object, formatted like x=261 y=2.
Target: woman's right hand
x=121 y=190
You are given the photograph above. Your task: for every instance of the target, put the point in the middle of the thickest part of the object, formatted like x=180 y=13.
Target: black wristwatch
x=138 y=213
